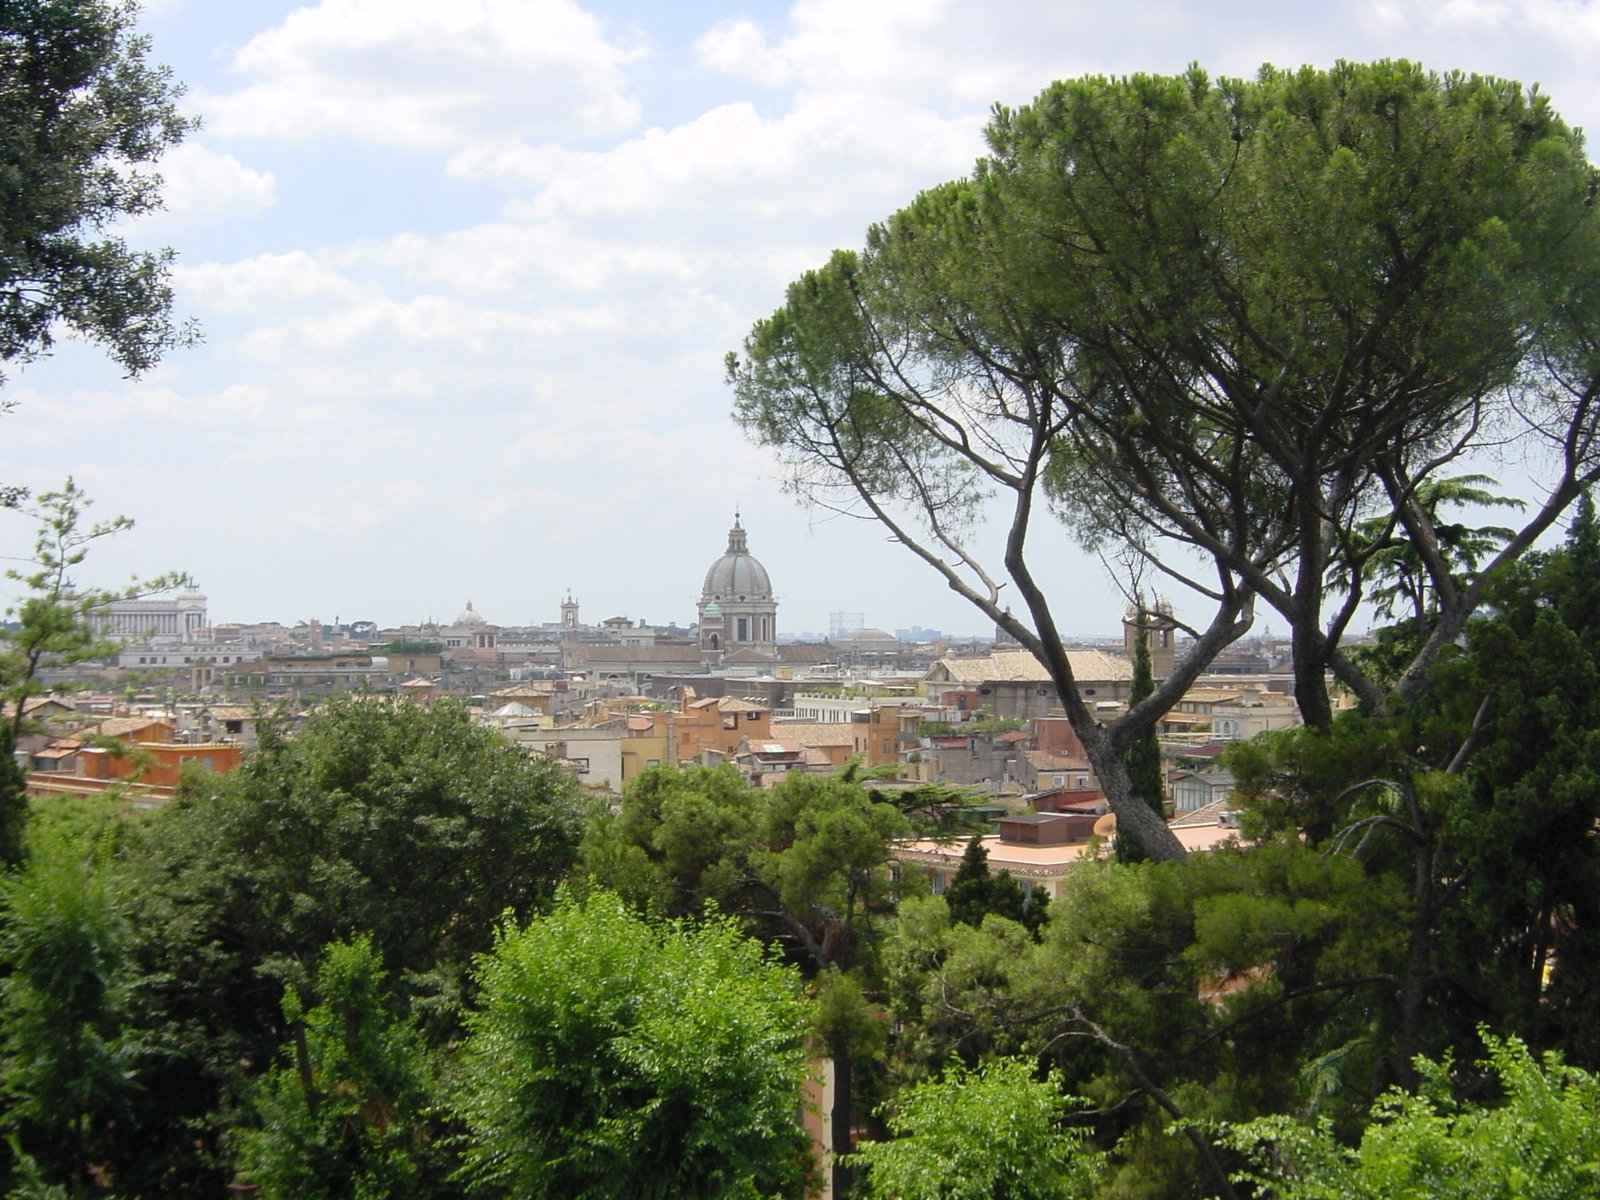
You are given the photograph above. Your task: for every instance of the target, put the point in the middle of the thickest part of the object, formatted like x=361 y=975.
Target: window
x=744 y=629
x=1058 y=780
x=1083 y=781
x=583 y=765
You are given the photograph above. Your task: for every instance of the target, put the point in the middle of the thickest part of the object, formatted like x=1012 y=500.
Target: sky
x=467 y=271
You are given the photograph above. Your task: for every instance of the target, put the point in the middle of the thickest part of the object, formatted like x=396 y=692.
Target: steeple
x=736 y=541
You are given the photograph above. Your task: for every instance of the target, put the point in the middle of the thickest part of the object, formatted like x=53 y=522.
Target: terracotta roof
x=748 y=654
x=1016 y=735
x=1019 y=666
x=1021 y=859
x=525 y=690
x=120 y=726
x=231 y=712
x=34 y=703
x=805 y=652
x=772 y=749
x=1211 y=814
x=641 y=654
x=640 y=723
x=811 y=733
x=738 y=704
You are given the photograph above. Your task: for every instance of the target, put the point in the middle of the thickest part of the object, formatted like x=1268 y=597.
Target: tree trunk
x=13 y=798
x=1419 y=961
x=1135 y=817
x=841 y=1117
x=1310 y=679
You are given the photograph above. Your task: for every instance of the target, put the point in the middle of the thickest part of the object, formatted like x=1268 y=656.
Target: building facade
x=179 y=618
x=737 y=608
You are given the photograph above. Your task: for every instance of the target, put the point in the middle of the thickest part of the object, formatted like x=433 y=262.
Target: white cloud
x=846 y=45
x=739 y=47
x=200 y=184
x=429 y=74
x=266 y=282
x=805 y=151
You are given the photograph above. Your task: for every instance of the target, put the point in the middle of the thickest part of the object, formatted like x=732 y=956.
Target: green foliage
x=411 y=823
x=681 y=837
x=51 y=626
x=1523 y=938
x=975 y=892
x=953 y=988
x=87 y=115
x=842 y=1020
x=408 y=824
x=1232 y=318
x=67 y=1064
x=1298 y=780
x=1246 y=981
x=346 y=1113
x=994 y=1133
x=807 y=862
x=1542 y=1142
x=826 y=851
x=1394 y=567
x=618 y=1058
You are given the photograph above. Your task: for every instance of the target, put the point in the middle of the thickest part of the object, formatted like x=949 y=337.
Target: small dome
x=469 y=619
x=866 y=635
x=737 y=575
x=868 y=641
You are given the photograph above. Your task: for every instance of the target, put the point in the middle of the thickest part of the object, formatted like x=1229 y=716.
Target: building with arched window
x=737 y=608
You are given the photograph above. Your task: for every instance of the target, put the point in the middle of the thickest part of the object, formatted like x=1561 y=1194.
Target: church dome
x=736 y=575
x=469 y=619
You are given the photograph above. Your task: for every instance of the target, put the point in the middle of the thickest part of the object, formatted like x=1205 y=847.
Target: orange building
x=150 y=768
x=717 y=723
